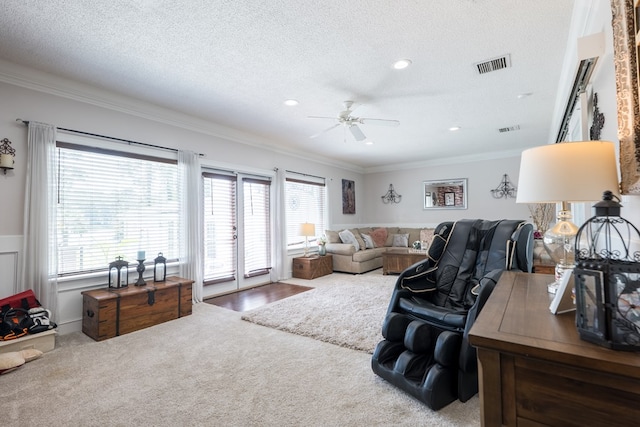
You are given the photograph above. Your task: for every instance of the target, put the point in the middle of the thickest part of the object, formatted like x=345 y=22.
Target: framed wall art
x=348 y=197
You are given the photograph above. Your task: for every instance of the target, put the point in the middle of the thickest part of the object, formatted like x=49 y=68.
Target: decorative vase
x=322 y=251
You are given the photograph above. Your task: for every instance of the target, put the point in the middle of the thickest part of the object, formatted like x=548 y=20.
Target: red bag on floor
x=24 y=300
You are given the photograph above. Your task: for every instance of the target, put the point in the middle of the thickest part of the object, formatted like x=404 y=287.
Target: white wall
x=482 y=177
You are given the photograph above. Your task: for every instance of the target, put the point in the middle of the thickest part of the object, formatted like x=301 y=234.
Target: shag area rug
x=348 y=312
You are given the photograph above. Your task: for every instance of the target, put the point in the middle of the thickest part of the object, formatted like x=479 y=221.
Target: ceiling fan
x=351 y=122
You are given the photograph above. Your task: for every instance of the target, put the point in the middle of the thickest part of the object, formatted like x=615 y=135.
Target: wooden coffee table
x=396 y=262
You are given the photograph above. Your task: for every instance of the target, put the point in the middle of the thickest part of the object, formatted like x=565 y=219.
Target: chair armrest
x=418 y=277
x=340 y=248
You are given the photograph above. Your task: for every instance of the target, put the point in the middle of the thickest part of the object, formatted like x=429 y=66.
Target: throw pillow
x=347 y=237
x=400 y=240
x=368 y=242
x=379 y=236
x=358 y=237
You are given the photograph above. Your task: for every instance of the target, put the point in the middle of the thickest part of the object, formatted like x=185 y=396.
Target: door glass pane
x=220 y=227
x=257 y=236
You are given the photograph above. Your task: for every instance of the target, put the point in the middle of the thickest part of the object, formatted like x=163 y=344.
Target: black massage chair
x=426 y=351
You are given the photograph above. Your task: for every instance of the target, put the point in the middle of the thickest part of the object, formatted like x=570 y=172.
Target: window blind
x=113 y=204
x=220 y=227
x=257 y=220
x=305 y=202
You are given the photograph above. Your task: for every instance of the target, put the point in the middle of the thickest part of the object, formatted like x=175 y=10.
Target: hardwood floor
x=256 y=297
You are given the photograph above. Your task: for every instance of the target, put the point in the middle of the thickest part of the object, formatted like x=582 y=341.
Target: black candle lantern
x=607 y=279
x=118 y=273
x=159 y=268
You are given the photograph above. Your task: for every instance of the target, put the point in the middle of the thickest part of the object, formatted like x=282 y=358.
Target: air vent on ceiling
x=509 y=129
x=494 y=64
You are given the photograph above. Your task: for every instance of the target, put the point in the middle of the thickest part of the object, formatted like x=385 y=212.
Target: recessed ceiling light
x=524 y=95
x=401 y=64
x=454 y=128
x=368 y=142
x=291 y=102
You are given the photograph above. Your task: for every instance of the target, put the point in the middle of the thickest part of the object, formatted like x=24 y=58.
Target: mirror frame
x=449 y=194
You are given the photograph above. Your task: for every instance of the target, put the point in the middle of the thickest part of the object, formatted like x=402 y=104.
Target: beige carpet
x=347 y=312
x=211 y=369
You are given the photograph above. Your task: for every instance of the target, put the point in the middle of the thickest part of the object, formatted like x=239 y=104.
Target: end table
x=313 y=266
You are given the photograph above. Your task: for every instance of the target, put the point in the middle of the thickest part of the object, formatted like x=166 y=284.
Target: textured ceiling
x=234 y=62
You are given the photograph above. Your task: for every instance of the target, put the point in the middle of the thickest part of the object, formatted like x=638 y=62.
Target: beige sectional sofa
x=365 y=253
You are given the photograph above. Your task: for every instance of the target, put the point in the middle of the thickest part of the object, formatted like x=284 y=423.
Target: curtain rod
x=306 y=174
x=127 y=141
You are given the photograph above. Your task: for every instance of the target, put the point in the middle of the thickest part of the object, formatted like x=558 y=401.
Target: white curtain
x=39 y=253
x=281 y=258
x=191 y=220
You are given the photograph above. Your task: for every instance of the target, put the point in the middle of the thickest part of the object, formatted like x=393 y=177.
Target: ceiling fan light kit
x=350 y=122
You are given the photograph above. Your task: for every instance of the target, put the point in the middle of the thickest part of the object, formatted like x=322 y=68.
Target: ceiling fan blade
x=322 y=117
x=382 y=122
x=324 y=131
x=357 y=133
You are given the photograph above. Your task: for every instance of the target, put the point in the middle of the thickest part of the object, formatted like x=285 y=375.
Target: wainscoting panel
x=10 y=249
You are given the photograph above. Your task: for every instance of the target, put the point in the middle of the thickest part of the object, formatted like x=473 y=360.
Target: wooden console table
x=535 y=370
x=110 y=312
x=397 y=262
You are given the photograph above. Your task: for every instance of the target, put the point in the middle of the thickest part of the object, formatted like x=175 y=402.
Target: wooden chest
x=111 y=312
x=312 y=267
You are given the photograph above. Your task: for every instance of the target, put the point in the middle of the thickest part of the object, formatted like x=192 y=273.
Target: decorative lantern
x=119 y=273
x=159 y=268
x=607 y=279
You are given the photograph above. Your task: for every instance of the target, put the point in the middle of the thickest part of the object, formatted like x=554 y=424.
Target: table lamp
x=306 y=230
x=563 y=173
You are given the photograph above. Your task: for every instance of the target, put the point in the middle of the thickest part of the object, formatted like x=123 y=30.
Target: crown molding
x=29 y=78
x=446 y=161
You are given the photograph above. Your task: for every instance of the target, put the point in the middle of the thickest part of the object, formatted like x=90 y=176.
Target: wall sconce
x=391 y=196
x=7 y=154
x=504 y=189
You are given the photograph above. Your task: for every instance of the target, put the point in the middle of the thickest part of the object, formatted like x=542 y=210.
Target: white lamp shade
x=567 y=172
x=307 y=229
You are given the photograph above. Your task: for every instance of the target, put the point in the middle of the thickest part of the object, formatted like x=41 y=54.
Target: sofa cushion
x=414 y=234
x=347 y=237
x=379 y=236
x=367 y=255
x=332 y=236
x=400 y=240
x=390 y=232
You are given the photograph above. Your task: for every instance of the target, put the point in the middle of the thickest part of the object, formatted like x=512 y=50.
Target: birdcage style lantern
x=118 y=273
x=607 y=278
x=159 y=268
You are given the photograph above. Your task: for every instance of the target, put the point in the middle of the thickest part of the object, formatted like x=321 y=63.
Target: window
x=305 y=202
x=113 y=204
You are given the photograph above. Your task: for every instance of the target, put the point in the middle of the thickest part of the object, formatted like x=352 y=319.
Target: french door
x=237 y=226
